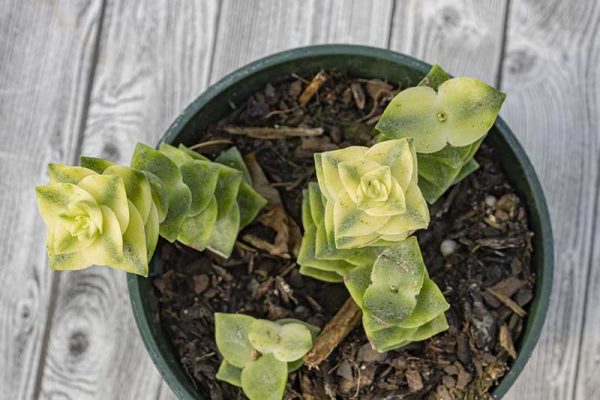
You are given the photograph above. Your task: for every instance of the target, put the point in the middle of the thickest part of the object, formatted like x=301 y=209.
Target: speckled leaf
x=287 y=342
x=231 y=334
x=95 y=164
x=197 y=230
x=60 y=173
x=224 y=234
x=230 y=374
x=265 y=378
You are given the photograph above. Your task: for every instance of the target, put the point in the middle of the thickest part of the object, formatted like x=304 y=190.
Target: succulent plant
x=448 y=119
x=258 y=354
x=318 y=257
x=209 y=202
x=92 y=218
x=108 y=214
x=371 y=195
x=400 y=303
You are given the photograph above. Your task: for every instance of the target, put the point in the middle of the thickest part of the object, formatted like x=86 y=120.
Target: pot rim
x=537 y=205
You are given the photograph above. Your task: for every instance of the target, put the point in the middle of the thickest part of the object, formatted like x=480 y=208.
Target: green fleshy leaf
x=152 y=230
x=197 y=230
x=176 y=155
x=466 y=170
x=108 y=191
x=325 y=276
x=231 y=334
x=95 y=164
x=135 y=253
x=430 y=304
x=357 y=281
x=147 y=159
x=435 y=77
x=195 y=155
x=460 y=113
x=60 y=173
x=287 y=342
x=265 y=378
x=224 y=234
x=160 y=195
x=230 y=374
x=250 y=203
x=201 y=178
x=137 y=188
x=396 y=280
x=233 y=159
x=227 y=188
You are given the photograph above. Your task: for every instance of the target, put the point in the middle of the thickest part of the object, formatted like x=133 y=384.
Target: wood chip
x=507 y=301
x=358 y=94
x=271 y=133
x=414 y=380
x=333 y=333
x=211 y=146
x=506 y=341
x=312 y=88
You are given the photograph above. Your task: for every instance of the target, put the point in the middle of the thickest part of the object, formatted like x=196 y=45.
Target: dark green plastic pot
x=367 y=62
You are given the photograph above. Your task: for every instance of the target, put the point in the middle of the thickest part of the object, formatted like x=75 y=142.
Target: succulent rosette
x=448 y=119
x=105 y=219
x=259 y=354
x=400 y=303
x=371 y=195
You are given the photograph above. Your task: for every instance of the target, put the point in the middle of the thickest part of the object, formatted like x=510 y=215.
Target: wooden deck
x=97 y=76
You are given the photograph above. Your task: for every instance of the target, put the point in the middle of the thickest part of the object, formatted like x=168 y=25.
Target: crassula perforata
x=447 y=118
x=400 y=303
x=371 y=194
x=209 y=202
x=108 y=214
x=259 y=354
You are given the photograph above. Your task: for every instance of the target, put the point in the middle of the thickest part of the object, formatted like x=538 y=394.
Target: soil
x=484 y=270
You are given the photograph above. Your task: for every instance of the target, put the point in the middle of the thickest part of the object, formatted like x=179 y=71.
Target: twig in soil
x=262 y=244
x=334 y=332
x=269 y=133
x=507 y=301
x=312 y=88
x=210 y=145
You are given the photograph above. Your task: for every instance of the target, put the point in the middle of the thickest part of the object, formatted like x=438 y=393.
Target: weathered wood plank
x=552 y=81
x=252 y=29
x=153 y=60
x=47 y=53
x=551 y=75
x=465 y=37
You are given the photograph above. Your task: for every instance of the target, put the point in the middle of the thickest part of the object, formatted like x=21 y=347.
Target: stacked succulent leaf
x=259 y=354
x=107 y=214
x=366 y=199
x=448 y=119
x=400 y=303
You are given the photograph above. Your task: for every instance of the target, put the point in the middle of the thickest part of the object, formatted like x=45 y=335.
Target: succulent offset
x=259 y=354
x=448 y=119
x=209 y=202
x=108 y=214
x=400 y=303
x=371 y=195
x=92 y=218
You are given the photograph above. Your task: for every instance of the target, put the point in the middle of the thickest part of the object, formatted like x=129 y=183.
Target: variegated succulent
x=107 y=214
x=370 y=195
x=259 y=354
x=448 y=119
x=209 y=202
x=400 y=303
x=92 y=218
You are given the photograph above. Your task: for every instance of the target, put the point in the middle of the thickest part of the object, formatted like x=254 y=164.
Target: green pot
x=367 y=62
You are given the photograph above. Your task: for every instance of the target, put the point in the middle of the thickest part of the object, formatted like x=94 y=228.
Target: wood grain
x=465 y=36
x=153 y=60
x=249 y=30
x=552 y=78
x=45 y=70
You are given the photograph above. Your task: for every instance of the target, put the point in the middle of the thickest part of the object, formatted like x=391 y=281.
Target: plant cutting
x=251 y=303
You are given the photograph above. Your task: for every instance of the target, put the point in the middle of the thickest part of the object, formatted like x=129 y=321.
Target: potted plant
x=281 y=261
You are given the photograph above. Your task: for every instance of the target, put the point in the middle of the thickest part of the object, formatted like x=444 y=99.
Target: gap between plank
x=388 y=42
x=503 y=44
x=53 y=297
x=213 y=50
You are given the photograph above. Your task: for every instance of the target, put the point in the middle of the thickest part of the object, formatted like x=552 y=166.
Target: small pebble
x=490 y=200
x=448 y=247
